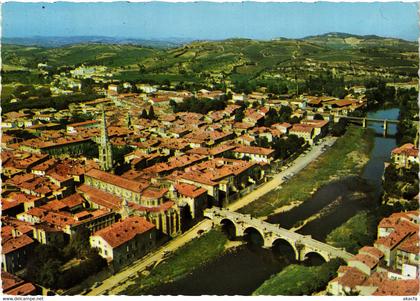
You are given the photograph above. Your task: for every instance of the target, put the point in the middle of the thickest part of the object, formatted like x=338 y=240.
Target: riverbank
x=299 y=280
x=182 y=262
x=358 y=231
x=346 y=157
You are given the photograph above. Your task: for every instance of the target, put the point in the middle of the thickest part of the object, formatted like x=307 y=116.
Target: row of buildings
x=389 y=267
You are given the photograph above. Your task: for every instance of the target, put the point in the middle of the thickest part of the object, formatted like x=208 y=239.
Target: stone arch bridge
x=301 y=244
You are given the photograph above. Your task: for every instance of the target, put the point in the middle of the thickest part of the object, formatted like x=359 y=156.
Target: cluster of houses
x=388 y=268
x=178 y=165
x=391 y=265
x=405 y=156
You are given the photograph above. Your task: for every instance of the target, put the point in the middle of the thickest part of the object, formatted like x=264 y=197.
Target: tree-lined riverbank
x=346 y=157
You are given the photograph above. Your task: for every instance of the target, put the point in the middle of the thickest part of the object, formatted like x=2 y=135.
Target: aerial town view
x=205 y=148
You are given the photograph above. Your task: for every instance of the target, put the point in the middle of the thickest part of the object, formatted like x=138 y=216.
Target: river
x=243 y=270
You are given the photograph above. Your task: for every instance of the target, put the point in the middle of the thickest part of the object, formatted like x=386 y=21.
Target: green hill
x=262 y=62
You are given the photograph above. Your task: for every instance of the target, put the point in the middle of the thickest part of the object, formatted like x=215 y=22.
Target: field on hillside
x=236 y=60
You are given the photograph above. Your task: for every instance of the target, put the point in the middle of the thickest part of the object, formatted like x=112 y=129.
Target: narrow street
x=118 y=282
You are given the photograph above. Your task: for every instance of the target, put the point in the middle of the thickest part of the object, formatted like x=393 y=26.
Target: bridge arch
x=284 y=247
x=315 y=255
x=229 y=227
x=254 y=235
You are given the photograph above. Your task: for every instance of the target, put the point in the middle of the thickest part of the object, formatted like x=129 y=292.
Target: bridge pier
x=385 y=127
x=301 y=244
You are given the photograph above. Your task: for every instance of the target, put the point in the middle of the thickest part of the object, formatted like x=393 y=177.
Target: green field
x=159 y=78
x=236 y=59
x=7 y=90
x=346 y=157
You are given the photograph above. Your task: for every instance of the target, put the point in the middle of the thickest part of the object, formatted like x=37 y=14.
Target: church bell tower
x=105 y=147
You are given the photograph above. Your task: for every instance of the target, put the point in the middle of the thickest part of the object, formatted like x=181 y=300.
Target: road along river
x=241 y=271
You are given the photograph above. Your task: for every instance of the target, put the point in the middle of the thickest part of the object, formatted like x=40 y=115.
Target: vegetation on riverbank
x=299 y=280
x=409 y=116
x=183 y=261
x=358 y=231
x=346 y=157
x=401 y=185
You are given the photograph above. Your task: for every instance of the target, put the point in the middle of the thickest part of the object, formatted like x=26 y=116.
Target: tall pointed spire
x=105 y=147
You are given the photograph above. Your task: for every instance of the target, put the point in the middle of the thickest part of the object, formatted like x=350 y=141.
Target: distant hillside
x=347 y=41
x=52 y=42
x=235 y=60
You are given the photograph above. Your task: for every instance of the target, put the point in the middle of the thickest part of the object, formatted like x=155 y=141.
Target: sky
x=209 y=20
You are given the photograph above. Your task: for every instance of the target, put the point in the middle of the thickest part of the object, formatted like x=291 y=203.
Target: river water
x=244 y=269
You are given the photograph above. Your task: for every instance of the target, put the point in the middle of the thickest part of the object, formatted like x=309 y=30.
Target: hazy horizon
x=208 y=20
x=169 y=38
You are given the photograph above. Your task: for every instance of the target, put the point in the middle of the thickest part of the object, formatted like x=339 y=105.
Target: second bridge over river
x=301 y=244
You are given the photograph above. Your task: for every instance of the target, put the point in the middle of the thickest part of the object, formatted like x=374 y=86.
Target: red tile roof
x=9 y=203
x=376 y=279
x=124 y=231
x=22 y=290
x=54 y=205
x=16 y=243
x=315 y=123
x=411 y=244
x=372 y=251
x=368 y=260
x=84 y=123
x=13 y=285
x=189 y=190
x=392 y=239
x=161 y=208
x=351 y=278
x=398 y=288
x=301 y=128
x=254 y=150
x=154 y=192
x=101 y=198
x=73 y=200
x=9 y=281
x=117 y=180
x=212 y=171
x=408 y=149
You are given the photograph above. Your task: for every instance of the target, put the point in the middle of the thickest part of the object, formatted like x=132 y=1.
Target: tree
x=49 y=273
x=271 y=117
x=151 y=113
x=284 y=113
x=239 y=115
x=144 y=114
x=79 y=242
x=87 y=85
x=91 y=265
x=339 y=128
x=202 y=106
x=43 y=265
x=318 y=117
x=263 y=142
